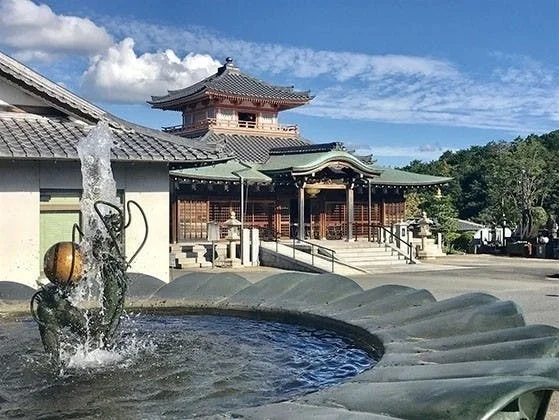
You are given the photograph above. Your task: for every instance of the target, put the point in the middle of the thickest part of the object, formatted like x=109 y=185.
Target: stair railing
x=388 y=237
x=313 y=246
x=276 y=238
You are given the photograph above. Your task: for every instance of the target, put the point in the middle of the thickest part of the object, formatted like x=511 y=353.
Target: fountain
x=74 y=270
x=293 y=345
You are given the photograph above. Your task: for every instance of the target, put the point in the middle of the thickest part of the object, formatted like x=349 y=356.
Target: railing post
x=312 y=255
x=293 y=248
x=333 y=252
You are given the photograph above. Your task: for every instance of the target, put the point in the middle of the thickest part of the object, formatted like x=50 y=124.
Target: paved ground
x=532 y=283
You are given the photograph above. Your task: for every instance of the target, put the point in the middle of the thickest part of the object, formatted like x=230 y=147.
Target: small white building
x=40 y=179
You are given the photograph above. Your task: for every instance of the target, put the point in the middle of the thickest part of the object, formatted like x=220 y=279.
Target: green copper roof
x=306 y=163
x=231 y=170
x=396 y=177
x=305 y=159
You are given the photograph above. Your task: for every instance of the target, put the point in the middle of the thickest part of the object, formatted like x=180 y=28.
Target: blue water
x=172 y=367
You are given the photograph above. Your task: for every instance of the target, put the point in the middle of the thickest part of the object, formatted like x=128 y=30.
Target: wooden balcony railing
x=243 y=126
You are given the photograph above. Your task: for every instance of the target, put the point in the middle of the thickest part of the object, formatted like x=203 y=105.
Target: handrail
x=391 y=239
x=233 y=124
x=312 y=244
x=332 y=251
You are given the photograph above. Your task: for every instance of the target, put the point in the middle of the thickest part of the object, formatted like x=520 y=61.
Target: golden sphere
x=63 y=263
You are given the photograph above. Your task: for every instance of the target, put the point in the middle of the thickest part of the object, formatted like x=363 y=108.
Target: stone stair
x=366 y=255
x=186 y=256
x=355 y=257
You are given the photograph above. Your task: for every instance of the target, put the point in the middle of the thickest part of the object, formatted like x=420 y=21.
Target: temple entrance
x=314 y=215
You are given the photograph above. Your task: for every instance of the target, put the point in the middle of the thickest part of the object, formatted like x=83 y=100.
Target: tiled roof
x=38 y=85
x=29 y=136
x=224 y=171
x=230 y=81
x=396 y=177
x=467 y=225
x=303 y=163
x=247 y=148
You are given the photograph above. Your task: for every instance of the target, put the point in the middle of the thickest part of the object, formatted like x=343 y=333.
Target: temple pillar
x=350 y=212
x=301 y=234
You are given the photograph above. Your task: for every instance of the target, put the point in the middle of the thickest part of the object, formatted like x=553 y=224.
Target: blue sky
x=402 y=80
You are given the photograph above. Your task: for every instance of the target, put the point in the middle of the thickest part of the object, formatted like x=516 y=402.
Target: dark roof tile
x=28 y=136
x=229 y=80
x=248 y=148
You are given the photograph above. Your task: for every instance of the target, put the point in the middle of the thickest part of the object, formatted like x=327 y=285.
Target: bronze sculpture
x=51 y=306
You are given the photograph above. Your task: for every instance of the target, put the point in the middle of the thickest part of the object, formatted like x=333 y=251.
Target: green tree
x=502 y=179
x=413 y=204
x=517 y=183
x=441 y=209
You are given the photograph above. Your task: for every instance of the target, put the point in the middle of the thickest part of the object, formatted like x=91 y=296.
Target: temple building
x=276 y=180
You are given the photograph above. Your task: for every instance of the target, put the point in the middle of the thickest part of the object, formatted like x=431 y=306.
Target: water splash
x=128 y=347
x=98 y=183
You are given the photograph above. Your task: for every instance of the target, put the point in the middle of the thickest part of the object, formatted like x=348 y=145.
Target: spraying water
x=98 y=184
x=78 y=316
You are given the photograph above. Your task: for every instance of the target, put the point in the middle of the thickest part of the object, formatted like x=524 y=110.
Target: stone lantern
x=233 y=227
x=425 y=226
x=428 y=248
x=233 y=235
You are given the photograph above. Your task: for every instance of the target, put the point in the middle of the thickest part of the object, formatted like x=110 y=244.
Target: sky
x=401 y=80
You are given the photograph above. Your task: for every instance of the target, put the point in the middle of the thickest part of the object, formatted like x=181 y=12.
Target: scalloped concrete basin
x=467 y=357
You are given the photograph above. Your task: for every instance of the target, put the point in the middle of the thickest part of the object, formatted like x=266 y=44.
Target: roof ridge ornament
x=228 y=65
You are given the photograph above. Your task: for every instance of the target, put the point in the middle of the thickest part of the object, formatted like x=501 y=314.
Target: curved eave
x=318 y=165
x=285 y=102
x=398 y=178
x=179 y=103
x=380 y=182
x=230 y=171
x=364 y=171
x=206 y=177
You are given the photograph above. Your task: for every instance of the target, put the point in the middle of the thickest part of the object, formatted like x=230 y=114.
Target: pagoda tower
x=231 y=109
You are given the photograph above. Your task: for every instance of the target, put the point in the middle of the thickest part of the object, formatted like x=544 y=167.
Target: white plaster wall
x=15 y=96
x=19 y=222
x=20 y=185
x=148 y=185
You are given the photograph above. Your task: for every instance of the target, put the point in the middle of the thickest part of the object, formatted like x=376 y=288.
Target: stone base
x=428 y=250
x=231 y=262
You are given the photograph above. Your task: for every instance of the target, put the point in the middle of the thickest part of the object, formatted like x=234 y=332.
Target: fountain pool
x=173 y=366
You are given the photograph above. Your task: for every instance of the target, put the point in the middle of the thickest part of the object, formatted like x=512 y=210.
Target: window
x=59 y=211
x=247 y=119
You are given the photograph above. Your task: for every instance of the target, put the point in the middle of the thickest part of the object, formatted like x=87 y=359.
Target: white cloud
x=517 y=95
x=35 y=31
x=274 y=58
x=522 y=105
x=119 y=75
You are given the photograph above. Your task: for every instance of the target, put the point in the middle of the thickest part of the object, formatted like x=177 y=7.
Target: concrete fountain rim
x=466 y=357
x=469 y=356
